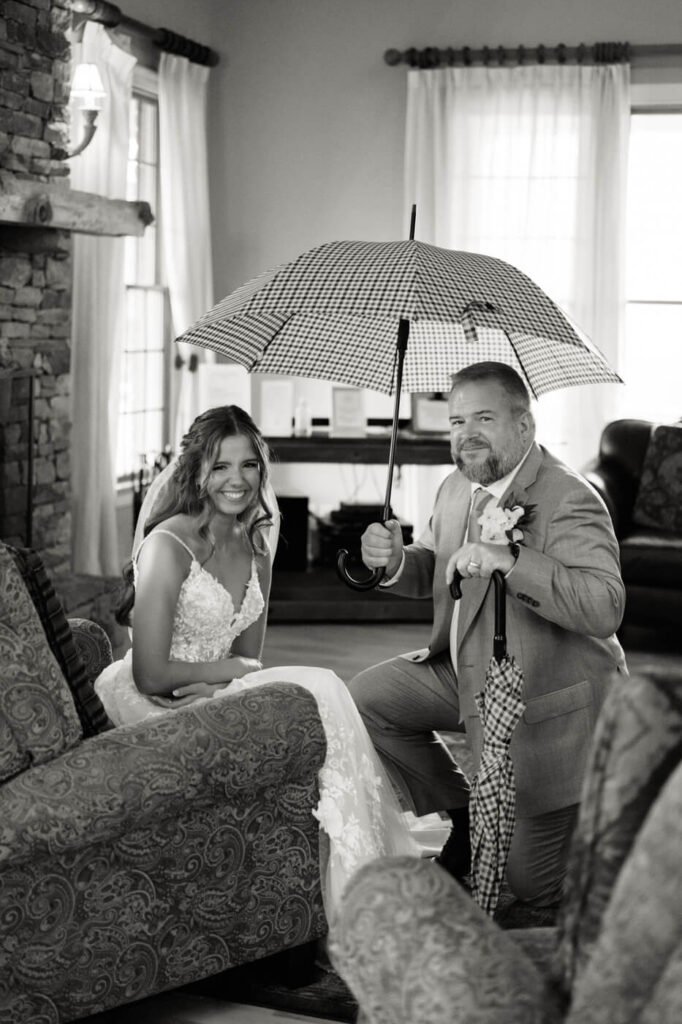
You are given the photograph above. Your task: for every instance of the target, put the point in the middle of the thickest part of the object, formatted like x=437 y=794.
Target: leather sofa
x=651 y=556
x=138 y=859
x=412 y=945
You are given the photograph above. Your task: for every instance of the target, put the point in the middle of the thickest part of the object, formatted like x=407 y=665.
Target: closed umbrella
x=492 y=801
x=344 y=312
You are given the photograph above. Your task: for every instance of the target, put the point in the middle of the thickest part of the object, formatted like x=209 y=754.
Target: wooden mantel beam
x=42 y=205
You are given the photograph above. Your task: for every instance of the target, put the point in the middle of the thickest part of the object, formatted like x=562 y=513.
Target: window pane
x=143 y=378
x=652 y=366
x=653 y=362
x=148 y=132
x=655 y=207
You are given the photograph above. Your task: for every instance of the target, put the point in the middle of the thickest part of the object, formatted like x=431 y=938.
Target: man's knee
x=538 y=889
x=537 y=859
x=365 y=689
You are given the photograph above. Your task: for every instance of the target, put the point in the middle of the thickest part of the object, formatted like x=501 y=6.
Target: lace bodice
x=206 y=624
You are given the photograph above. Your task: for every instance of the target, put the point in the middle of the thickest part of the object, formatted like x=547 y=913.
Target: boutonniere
x=501 y=524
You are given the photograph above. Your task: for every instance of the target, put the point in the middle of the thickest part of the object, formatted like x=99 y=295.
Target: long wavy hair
x=187 y=488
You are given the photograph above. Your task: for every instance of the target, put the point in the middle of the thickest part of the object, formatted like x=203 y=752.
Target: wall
x=306 y=128
x=35 y=281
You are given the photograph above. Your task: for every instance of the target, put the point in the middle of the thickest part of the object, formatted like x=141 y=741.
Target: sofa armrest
x=93 y=646
x=230 y=748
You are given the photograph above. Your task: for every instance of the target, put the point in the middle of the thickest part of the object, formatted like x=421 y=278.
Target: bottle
x=303 y=421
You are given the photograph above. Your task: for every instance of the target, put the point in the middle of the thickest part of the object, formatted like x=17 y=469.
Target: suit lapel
x=524 y=478
x=449 y=529
x=454 y=526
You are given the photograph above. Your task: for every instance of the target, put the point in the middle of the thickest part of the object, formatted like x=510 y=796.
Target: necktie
x=480 y=500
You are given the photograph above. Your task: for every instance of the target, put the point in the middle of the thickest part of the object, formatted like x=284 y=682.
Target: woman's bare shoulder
x=186 y=529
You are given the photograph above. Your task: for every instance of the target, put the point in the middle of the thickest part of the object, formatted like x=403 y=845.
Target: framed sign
x=348 y=412
x=224 y=384
x=430 y=414
x=276 y=408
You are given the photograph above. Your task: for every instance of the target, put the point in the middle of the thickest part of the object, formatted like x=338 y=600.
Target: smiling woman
x=201 y=581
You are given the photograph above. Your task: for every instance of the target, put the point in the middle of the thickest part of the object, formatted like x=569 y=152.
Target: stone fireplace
x=35 y=284
x=38 y=213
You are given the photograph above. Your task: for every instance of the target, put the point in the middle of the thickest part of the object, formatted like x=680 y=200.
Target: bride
x=199 y=581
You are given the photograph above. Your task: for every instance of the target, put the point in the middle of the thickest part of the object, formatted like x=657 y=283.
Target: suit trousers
x=404 y=704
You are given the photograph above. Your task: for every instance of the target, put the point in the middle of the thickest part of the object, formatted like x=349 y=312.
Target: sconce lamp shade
x=87 y=87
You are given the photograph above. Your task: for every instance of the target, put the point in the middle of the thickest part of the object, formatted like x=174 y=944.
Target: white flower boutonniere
x=502 y=524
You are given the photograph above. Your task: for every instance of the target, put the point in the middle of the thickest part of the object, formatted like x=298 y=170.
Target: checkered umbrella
x=491 y=807
x=344 y=312
x=333 y=313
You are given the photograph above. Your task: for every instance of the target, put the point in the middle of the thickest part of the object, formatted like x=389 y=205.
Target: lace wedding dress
x=358 y=809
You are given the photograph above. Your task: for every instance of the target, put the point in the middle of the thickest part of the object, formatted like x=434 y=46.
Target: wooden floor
x=346 y=648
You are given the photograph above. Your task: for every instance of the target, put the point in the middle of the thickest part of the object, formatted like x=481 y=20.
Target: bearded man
x=565 y=600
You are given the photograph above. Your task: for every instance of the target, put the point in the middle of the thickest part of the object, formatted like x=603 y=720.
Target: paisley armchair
x=137 y=859
x=413 y=946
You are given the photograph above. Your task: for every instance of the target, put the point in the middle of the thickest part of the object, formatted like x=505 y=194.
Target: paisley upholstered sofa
x=137 y=859
x=413 y=946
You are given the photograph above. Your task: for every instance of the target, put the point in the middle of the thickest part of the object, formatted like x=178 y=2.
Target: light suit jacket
x=565 y=599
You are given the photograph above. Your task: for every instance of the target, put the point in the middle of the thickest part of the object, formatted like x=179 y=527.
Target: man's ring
x=474 y=565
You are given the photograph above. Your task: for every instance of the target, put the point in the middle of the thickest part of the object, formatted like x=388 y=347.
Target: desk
x=411 y=449
x=317 y=594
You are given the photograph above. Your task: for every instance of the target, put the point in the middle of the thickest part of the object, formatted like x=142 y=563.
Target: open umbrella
x=344 y=311
x=491 y=806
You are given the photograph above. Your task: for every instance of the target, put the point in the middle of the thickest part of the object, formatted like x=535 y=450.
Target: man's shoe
x=455 y=857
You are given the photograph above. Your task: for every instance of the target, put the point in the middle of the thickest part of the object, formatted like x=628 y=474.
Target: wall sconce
x=87 y=92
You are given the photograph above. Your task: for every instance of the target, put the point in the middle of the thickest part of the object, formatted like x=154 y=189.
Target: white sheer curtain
x=98 y=317
x=185 y=223
x=529 y=164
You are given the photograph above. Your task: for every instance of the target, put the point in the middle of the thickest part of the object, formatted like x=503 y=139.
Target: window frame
x=648 y=98
x=146 y=88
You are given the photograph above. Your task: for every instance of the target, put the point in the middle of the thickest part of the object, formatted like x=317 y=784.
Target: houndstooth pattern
x=492 y=800
x=333 y=314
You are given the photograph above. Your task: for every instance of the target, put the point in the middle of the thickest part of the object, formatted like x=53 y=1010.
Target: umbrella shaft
x=401 y=348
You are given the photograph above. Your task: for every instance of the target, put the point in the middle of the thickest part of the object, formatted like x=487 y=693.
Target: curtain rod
x=597 y=53
x=111 y=16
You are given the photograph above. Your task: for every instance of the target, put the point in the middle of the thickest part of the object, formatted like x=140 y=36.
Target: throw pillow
x=659 y=499
x=641 y=935
x=56 y=626
x=34 y=696
x=637 y=744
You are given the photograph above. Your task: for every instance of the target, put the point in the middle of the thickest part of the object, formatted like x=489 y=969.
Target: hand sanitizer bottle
x=303 y=422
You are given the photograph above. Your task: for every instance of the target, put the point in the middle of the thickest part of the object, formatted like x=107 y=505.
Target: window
x=143 y=405
x=652 y=367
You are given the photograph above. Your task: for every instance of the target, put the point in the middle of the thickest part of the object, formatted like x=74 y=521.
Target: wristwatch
x=515 y=549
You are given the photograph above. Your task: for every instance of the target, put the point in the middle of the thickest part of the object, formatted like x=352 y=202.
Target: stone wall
x=35 y=281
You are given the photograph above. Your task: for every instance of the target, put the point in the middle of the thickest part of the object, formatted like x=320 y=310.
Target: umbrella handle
x=368 y=584
x=342 y=556
x=500 y=638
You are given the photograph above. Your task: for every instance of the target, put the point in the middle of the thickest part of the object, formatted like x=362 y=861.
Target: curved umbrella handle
x=342 y=572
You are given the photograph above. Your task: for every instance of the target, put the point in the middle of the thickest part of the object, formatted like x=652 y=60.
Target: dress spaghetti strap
x=152 y=534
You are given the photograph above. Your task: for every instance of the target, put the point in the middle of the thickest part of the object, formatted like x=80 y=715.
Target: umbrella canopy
x=333 y=313
x=492 y=801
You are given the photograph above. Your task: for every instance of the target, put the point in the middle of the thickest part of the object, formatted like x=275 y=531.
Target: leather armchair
x=651 y=559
